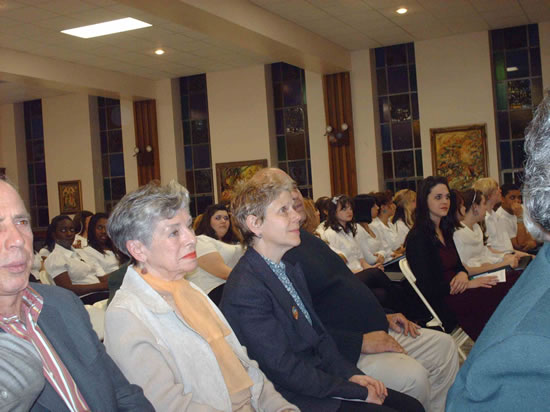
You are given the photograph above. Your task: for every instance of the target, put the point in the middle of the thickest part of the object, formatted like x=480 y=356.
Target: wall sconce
x=144 y=159
x=337 y=137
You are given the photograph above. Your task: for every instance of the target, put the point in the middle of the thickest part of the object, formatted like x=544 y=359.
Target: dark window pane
x=190 y=181
x=500 y=66
x=116 y=162
x=296 y=146
x=41 y=195
x=517 y=64
x=103 y=142
x=30 y=173
x=536 y=91
x=188 y=151
x=414 y=104
x=518 y=153
x=519 y=94
x=283 y=166
x=400 y=108
x=515 y=37
x=198 y=105
x=294 y=120
x=396 y=55
x=503 y=127
x=290 y=72
x=390 y=186
x=107 y=189
x=184 y=88
x=105 y=165
x=203 y=202
x=404 y=164
x=185 y=108
x=40 y=172
x=100 y=101
x=384 y=109
x=416 y=134
x=535 y=62
x=380 y=56
x=38 y=150
x=292 y=93
x=519 y=119
x=398 y=79
x=115 y=141
x=118 y=187
x=278 y=95
x=102 y=119
x=279 y=122
x=276 y=72
x=386 y=137
x=199 y=131
x=533 y=35
x=197 y=83
x=186 y=132
x=36 y=128
x=410 y=53
x=505 y=156
x=43 y=217
x=388 y=165
x=412 y=77
x=381 y=81
x=497 y=39
x=203 y=181
x=419 y=166
x=508 y=178
x=401 y=135
x=32 y=195
x=297 y=170
x=201 y=156
x=111 y=102
x=502 y=98
x=113 y=117
x=30 y=154
x=281 y=149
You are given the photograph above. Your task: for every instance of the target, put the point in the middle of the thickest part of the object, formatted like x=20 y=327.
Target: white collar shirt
x=63 y=260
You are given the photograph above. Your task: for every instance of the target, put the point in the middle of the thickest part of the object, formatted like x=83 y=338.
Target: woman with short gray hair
x=162 y=331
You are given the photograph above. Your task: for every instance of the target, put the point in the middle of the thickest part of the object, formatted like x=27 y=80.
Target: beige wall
x=239 y=116
x=455 y=89
x=128 y=143
x=68 y=149
x=13 y=153
x=544 y=37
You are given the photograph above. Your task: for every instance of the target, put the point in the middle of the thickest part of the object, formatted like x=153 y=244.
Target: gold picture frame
x=460 y=154
x=230 y=173
x=70 y=197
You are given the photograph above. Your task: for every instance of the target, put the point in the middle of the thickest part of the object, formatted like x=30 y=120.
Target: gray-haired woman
x=163 y=332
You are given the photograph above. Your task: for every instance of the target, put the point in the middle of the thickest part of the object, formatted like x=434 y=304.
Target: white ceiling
x=33 y=26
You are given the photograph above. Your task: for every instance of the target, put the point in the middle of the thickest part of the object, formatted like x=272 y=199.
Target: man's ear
x=254 y=224
x=137 y=250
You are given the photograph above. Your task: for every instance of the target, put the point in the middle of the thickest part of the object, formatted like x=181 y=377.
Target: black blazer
x=300 y=359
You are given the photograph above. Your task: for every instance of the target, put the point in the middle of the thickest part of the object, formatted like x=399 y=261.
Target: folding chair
x=458 y=334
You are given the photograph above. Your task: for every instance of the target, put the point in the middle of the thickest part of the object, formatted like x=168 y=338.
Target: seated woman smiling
x=162 y=331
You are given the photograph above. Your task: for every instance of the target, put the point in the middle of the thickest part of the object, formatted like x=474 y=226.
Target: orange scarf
x=200 y=316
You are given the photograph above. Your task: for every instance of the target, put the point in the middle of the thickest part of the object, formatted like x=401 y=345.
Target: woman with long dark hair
x=439 y=272
x=217 y=251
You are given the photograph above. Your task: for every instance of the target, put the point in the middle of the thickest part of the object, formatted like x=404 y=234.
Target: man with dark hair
x=510 y=218
x=419 y=362
x=80 y=376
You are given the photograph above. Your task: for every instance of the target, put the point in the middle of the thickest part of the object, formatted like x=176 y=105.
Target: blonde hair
x=312 y=220
x=486 y=185
x=403 y=200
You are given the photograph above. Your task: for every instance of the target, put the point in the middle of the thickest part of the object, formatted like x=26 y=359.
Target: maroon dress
x=473 y=307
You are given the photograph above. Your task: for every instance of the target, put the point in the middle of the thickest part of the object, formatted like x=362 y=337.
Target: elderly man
x=507 y=369
x=80 y=376
x=419 y=362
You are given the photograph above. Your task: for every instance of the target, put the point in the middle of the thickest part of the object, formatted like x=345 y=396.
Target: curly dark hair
x=332 y=221
x=204 y=227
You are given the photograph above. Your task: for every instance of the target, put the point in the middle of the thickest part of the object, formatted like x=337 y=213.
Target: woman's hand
x=459 y=283
x=511 y=260
x=379 y=258
x=483 y=282
x=377 y=390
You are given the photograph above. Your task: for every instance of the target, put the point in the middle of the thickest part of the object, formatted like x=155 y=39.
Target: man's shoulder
x=54 y=295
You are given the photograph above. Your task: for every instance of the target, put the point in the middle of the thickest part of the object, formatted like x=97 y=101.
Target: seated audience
x=81 y=221
x=403 y=218
x=267 y=303
x=321 y=204
x=510 y=218
x=66 y=266
x=439 y=272
x=419 y=362
x=381 y=225
x=163 y=331
x=474 y=255
x=365 y=211
x=507 y=369
x=217 y=251
x=79 y=375
x=100 y=250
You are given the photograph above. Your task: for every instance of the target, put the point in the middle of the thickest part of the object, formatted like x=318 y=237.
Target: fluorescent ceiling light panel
x=108 y=27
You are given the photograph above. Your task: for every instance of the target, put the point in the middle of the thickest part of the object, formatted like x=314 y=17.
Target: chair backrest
x=45 y=278
x=407 y=272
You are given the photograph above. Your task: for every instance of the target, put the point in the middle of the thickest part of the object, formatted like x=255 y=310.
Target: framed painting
x=460 y=154
x=229 y=174
x=70 y=197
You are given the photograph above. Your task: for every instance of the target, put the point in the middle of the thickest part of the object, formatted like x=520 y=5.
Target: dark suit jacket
x=66 y=324
x=507 y=369
x=300 y=359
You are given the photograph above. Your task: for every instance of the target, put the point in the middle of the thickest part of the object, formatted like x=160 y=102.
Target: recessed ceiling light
x=401 y=10
x=159 y=52
x=108 y=27
x=512 y=69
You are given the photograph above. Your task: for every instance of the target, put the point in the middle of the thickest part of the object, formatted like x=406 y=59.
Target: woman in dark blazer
x=268 y=306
